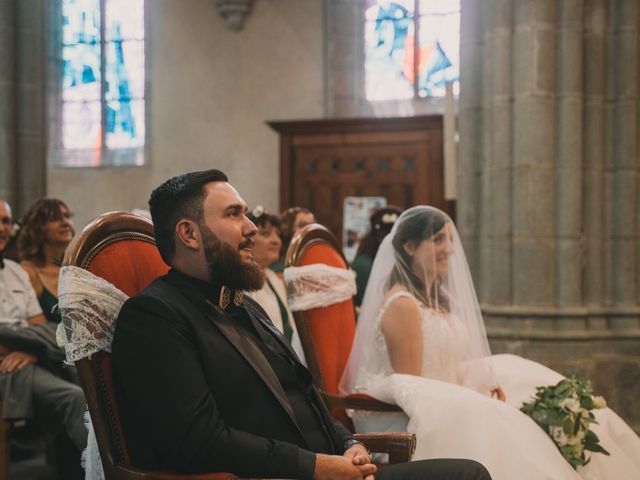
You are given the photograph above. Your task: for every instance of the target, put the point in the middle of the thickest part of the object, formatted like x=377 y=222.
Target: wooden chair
x=327 y=333
x=120 y=248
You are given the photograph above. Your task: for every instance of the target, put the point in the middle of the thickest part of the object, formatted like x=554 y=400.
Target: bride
x=421 y=344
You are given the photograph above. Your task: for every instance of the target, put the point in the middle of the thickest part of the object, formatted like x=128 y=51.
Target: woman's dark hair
x=421 y=226
x=287 y=224
x=179 y=197
x=31 y=237
x=381 y=223
x=261 y=218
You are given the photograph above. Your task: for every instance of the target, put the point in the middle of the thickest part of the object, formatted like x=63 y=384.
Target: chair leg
x=4 y=447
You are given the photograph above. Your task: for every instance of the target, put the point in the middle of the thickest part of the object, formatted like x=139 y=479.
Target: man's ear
x=188 y=233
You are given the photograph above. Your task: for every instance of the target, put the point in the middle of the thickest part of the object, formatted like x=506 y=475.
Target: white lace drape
x=318 y=285
x=89 y=306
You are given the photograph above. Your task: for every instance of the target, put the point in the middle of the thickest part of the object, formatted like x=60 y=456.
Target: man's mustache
x=248 y=243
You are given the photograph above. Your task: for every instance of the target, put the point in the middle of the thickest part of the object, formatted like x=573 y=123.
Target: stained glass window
x=102 y=118
x=412 y=48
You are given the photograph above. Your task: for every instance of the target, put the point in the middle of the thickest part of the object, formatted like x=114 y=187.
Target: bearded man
x=204 y=380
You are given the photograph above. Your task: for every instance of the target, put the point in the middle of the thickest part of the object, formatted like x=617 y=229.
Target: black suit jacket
x=196 y=394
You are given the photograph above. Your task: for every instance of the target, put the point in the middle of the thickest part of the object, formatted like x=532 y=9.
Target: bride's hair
x=418 y=227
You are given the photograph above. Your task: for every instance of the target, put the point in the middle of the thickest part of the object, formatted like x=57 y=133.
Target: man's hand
x=359 y=455
x=15 y=361
x=329 y=467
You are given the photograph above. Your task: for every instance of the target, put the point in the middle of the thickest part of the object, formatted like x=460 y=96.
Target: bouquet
x=563 y=411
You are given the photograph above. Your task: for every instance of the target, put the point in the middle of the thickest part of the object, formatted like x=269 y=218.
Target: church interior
x=519 y=118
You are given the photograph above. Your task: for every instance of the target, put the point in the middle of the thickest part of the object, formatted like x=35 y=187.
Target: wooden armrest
x=359 y=402
x=400 y=446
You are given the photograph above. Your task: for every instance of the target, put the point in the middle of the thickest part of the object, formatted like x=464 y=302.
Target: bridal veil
x=450 y=292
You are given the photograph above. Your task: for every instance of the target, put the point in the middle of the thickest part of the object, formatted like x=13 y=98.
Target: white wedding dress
x=451 y=420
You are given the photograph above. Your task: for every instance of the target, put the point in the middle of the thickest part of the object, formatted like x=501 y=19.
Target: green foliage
x=563 y=411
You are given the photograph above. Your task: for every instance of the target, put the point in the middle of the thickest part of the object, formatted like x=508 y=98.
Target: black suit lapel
x=256 y=313
x=242 y=342
x=247 y=347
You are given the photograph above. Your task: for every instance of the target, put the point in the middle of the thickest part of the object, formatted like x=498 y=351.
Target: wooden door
x=324 y=161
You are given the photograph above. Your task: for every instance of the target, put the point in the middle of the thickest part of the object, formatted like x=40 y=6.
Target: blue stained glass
x=80 y=21
x=388 y=43
x=389 y=48
x=125 y=75
x=439 y=49
x=125 y=124
x=125 y=70
x=81 y=72
x=124 y=20
x=84 y=109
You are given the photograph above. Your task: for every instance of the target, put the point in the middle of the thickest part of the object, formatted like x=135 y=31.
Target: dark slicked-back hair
x=179 y=197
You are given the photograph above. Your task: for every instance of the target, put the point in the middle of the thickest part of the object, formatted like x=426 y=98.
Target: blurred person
x=381 y=222
x=291 y=220
x=272 y=297
x=31 y=363
x=46 y=231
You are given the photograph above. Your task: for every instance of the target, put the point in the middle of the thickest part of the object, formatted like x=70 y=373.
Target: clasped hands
x=354 y=464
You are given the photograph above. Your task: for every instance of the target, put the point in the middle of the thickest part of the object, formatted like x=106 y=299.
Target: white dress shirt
x=18 y=301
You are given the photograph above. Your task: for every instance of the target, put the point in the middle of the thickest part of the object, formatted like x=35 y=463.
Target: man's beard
x=227 y=267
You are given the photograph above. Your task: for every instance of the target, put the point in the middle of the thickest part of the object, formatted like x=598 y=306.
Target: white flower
x=258 y=211
x=572 y=404
x=577 y=438
x=599 y=402
x=389 y=217
x=559 y=436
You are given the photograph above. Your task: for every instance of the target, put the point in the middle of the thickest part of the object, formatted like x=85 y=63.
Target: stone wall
x=548 y=184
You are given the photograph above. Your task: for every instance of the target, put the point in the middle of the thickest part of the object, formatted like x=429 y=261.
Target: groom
x=204 y=381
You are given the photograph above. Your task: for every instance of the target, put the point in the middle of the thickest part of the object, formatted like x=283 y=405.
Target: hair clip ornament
x=258 y=211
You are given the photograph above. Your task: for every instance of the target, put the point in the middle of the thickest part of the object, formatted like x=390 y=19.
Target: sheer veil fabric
x=452 y=293
x=449 y=406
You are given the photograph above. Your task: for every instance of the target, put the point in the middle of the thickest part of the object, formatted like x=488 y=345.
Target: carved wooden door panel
x=322 y=162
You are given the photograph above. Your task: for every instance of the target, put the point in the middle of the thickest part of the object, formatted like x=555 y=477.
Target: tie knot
x=227 y=295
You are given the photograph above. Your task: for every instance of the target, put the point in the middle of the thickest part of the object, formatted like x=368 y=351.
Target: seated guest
x=381 y=222
x=272 y=297
x=46 y=232
x=30 y=382
x=291 y=220
x=204 y=381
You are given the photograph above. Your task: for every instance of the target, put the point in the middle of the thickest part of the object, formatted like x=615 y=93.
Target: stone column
x=22 y=103
x=31 y=28
x=549 y=121
x=8 y=163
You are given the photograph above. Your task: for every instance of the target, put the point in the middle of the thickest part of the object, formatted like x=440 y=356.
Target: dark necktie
x=284 y=314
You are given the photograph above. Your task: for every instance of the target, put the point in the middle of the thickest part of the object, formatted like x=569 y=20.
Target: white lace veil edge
x=454 y=292
x=318 y=285
x=89 y=306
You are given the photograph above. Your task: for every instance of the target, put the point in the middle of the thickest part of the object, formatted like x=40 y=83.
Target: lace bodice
x=444 y=339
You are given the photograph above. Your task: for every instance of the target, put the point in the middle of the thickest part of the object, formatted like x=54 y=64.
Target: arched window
x=98 y=106
x=412 y=48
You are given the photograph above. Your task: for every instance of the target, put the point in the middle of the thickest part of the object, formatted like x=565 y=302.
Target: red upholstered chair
x=327 y=335
x=120 y=248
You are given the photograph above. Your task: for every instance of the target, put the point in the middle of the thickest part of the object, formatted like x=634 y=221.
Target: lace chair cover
x=89 y=306
x=318 y=285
